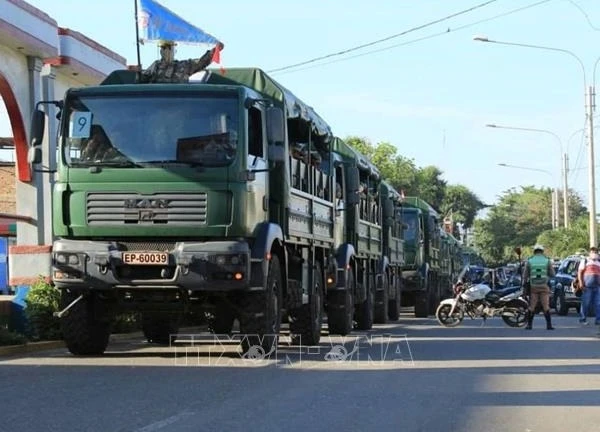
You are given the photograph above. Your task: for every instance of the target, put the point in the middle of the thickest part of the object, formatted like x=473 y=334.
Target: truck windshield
x=410 y=219
x=144 y=130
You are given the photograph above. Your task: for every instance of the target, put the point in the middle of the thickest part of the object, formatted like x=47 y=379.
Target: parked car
x=562 y=294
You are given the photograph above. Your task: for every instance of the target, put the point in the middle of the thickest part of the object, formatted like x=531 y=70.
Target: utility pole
x=554 y=208
x=589 y=108
x=566 y=191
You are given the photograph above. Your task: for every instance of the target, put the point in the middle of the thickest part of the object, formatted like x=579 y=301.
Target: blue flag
x=157 y=22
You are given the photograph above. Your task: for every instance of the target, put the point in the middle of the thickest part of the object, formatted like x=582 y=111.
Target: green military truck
x=389 y=283
x=450 y=263
x=360 y=232
x=216 y=196
x=421 y=272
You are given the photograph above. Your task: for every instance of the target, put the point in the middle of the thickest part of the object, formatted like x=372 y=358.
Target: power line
x=431 y=36
x=582 y=10
x=365 y=45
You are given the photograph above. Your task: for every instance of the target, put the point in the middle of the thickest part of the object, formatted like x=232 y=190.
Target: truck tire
x=221 y=322
x=395 y=304
x=421 y=304
x=160 y=328
x=365 y=310
x=260 y=314
x=307 y=320
x=82 y=332
x=340 y=308
x=382 y=302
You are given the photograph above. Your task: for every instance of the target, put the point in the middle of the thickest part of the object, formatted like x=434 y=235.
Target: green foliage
x=567 y=241
x=462 y=204
x=524 y=217
x=42 y=301
x=11 y=338
x=426 y=183
x=430 y=186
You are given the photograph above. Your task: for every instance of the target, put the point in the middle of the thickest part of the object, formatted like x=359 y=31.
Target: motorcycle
x=480 y=301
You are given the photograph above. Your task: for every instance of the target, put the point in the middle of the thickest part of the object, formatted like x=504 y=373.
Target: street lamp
x=589 y=109
x=564 y=164
x=555 y=200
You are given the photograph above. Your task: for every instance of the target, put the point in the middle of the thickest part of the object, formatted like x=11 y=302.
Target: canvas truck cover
x=420 y=204
x=253 y=78
x=262 y=83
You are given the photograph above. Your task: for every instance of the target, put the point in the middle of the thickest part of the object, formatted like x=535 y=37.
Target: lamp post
x=555 y=200
x=564 y=164
x=589 y=109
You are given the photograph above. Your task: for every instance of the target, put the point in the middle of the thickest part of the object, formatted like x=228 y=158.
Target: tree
x=462 y=204
x=430 y=186
x=399 y=171
x=523 y=218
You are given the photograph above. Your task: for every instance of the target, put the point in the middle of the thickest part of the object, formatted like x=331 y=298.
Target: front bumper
x=194 y=266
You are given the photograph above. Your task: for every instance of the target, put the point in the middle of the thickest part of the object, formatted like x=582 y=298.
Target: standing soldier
x=537 y=273
x=169 y=70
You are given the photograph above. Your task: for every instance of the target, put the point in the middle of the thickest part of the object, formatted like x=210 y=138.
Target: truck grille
x=134 y=209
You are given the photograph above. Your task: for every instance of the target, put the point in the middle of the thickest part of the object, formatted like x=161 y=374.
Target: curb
x=32 y=347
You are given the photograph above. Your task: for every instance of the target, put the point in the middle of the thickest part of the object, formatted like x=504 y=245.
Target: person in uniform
x=169 y=70
x=537 y=273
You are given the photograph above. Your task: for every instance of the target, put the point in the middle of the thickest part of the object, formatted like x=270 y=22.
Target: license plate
x=145 y=258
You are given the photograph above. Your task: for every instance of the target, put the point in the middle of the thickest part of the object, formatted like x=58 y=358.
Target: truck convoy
x=229 y=196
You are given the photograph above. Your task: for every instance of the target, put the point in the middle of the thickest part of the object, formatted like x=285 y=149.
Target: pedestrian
x=538 y=271
x=169 y=70
x=588 y=277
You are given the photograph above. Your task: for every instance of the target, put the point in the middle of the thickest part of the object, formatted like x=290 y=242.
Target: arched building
x=39 y=61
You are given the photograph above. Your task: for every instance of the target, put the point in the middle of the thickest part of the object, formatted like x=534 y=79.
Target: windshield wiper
x=119 y=164
x=173 y=162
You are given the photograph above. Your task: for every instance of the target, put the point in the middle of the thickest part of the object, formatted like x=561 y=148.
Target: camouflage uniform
x=177 y=71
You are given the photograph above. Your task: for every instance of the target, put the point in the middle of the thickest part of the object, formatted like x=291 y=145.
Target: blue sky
x=430 y=98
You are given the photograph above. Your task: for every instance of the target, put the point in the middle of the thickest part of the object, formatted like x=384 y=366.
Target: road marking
x=161 y=424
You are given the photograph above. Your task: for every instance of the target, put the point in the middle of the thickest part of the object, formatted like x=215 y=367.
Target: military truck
x=216 y=195
x=421 y=271
x=361 y=232
x=450 y=263
x=389 y=283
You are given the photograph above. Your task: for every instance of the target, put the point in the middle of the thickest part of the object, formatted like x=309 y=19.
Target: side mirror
x=388 y=209
x=38 y=125
x=34 y=155
x=518 y=251
x=353 y=186
x=275 y=126
x=276 y=153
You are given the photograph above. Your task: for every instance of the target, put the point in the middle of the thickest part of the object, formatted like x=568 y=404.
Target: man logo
x=146 y=203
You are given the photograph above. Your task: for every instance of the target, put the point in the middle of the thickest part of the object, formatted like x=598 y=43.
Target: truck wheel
x=82 y=332
x=364 y=311
x=382 y=302
x=340 y=308
x=221 y=323
x=260 y=316
x=160 y=328
x=307 y=320
x=395 y=304
x=559 y=303
x=421 y=305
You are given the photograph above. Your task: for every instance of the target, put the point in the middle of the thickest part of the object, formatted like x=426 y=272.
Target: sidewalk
x=33 y=347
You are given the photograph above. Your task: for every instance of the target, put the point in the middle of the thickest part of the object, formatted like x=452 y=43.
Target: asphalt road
x=409 y=376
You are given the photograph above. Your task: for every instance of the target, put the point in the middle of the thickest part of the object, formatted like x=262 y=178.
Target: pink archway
x=19 y=135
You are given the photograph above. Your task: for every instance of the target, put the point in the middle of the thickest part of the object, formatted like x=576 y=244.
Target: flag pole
x=137 y=41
